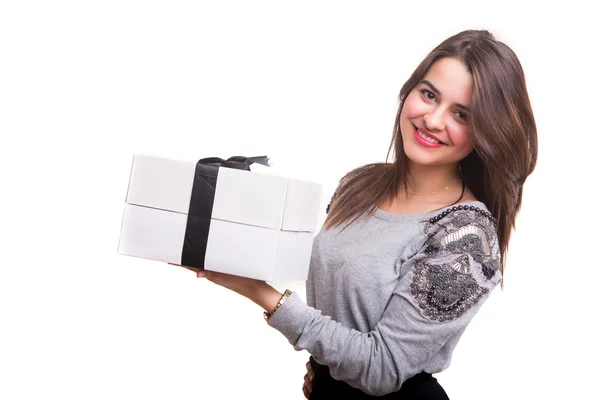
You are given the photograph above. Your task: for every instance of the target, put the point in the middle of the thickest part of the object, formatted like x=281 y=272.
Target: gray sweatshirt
x=390 y=295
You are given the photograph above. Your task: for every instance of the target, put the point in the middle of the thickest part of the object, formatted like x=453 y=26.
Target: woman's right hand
x=308 y=378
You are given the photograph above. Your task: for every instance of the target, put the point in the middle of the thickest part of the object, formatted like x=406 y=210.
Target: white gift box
x=261 y=226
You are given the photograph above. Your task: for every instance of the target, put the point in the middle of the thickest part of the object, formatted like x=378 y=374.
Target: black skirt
x=422 y=386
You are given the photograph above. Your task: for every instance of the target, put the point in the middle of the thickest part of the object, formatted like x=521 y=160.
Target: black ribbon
x=201 y=204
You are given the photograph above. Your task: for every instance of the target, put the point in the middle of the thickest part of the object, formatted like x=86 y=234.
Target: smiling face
x=434 y=116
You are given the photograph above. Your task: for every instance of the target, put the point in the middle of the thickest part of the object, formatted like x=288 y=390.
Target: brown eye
x=427 y=94
x=461 y=115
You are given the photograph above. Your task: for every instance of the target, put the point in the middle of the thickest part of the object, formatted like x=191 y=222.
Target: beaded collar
x=466 y=208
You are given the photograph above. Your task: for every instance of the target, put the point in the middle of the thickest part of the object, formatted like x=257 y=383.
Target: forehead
x=452 y=79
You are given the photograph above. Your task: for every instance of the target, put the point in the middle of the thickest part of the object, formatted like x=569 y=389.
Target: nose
x=434 y=120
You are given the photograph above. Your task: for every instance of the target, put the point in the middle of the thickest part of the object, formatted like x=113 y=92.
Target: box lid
x=302 y=203
x=250 y=198
x=161 y=183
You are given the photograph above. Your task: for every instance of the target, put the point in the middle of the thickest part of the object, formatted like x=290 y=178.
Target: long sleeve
x=448 y=280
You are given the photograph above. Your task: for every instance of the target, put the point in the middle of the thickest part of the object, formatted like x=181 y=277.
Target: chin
x=426 y=161
x=421 y=156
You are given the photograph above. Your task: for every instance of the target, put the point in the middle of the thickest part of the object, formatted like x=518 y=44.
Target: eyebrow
x=436 y=91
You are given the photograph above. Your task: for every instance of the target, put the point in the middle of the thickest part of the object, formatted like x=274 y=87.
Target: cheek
x=413 y=106
x=461 y=138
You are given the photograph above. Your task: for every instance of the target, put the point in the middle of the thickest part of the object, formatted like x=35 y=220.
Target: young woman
x=411 y=250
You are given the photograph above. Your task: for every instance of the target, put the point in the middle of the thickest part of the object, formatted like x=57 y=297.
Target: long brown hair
x=502 y=129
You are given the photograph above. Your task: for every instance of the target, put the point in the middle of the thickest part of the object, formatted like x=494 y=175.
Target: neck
x=428 y=179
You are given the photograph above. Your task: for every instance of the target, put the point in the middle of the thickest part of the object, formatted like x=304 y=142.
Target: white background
x=86 y=84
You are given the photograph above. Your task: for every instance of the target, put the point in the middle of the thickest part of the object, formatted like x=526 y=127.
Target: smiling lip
x=424 y=142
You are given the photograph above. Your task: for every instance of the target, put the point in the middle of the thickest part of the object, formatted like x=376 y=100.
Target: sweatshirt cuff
x=291 y=318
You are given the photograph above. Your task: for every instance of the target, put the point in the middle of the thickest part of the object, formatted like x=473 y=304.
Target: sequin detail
x=471 y=244
x=459 y=261
x=490 y=268
x=468 y=229
x=433 y=248
x=462 y=265
x=468 y=239
x=443 y=293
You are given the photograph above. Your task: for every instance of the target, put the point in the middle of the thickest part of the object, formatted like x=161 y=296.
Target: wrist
x=266 y=296
x=282 y=299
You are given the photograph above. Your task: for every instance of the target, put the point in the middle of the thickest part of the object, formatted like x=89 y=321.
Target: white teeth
x=428 y=138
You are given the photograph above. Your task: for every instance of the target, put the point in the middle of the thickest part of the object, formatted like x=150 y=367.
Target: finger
x=308 y=367
x=308 y=382
x=305 y=391
x=193 y=269
x=309 y=376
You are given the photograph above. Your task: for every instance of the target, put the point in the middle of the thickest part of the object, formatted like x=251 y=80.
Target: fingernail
x=201 y=274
